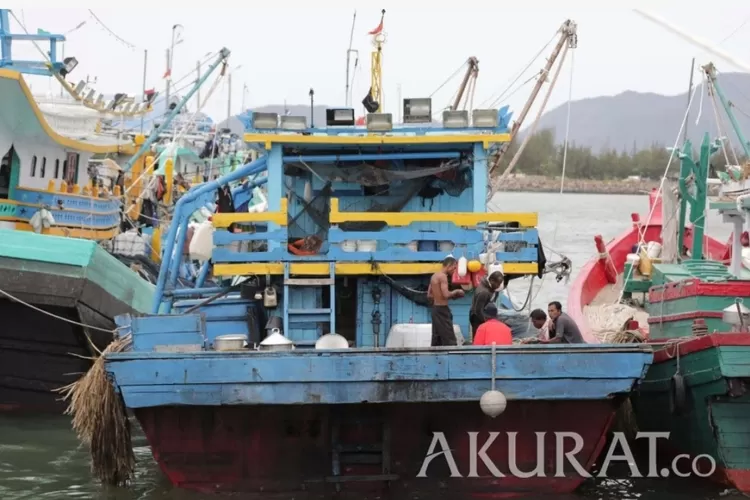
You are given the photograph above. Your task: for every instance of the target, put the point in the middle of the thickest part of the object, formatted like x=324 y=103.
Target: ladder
x=309 y=315
x=374 y=456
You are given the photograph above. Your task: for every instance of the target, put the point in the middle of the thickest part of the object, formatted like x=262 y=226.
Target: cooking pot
x=232 y=342
x=276 y=342
x=737 y=314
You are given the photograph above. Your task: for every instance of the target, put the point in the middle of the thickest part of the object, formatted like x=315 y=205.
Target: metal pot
x=276 y=342
x=233 y=342
x=736 y=314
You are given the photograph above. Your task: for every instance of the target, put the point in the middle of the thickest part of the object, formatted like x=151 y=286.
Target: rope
x=567 y=122
x=642 y=231
x=449 y=78
x=532 y=61
x=531 y=132
x=31 y=306
x=106 y=28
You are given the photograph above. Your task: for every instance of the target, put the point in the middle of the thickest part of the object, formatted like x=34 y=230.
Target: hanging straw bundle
x=100 y=420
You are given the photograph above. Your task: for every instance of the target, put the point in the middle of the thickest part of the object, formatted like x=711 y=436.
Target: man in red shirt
x=492 y=330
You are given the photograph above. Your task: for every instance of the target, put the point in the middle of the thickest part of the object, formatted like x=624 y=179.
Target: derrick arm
x=472 y=71
x=568 y=34
x=710 y=71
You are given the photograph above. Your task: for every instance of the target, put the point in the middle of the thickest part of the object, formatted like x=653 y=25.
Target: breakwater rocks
x=541 y=184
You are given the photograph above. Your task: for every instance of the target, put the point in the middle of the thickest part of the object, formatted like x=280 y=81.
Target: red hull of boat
x=592 y=277
x=286 y=450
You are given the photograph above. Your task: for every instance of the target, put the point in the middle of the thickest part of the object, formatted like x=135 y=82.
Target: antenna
x=349 y=53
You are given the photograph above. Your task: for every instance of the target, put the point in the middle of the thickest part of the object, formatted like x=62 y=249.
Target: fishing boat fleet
x=278 y=300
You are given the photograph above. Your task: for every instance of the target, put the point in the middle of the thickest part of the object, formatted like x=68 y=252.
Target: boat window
x=57 y=169
x=43 y=170
x=33 y=166
x=5 y=175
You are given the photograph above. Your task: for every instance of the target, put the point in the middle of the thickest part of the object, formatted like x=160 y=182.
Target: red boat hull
x=290 y=449
x=592 y=277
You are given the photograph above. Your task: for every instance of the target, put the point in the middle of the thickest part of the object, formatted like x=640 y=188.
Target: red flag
x=167 y=74
x=379 y=29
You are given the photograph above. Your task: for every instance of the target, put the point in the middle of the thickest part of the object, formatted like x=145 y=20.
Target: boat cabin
x=357 y=220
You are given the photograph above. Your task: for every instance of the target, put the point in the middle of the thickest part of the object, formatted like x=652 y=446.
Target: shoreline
x=542 y=184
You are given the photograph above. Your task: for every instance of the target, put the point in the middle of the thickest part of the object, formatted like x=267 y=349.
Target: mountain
x=635 y=120
x=624 y=122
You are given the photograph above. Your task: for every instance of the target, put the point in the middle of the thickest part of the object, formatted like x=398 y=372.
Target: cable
x=567 y=121
x=117 y=37
x=16 y=299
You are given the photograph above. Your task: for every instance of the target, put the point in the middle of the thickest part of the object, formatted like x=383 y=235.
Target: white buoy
x=493 y=402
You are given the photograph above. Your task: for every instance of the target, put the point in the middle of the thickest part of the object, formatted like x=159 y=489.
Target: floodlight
x=379 y=122
x=340 y=117
x=485 y=118
x=455 y=119
x=264 y=120
x=293 y=122
x=418 y=110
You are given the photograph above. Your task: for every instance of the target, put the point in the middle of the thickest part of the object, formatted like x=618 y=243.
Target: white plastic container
x=462 y=266
x=349 y=245
x=653 y=249
x=415 y=335
x=413 y=246
x=367 y=245
x=633 y=259
x=446 y=246
x=202 y=243
x=495 y=266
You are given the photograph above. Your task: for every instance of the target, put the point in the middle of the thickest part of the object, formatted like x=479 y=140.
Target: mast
x=689 y=97
x=568 y=34
x=710 y=71
x=349 y=52
x=376 y=65
x=221 y=59
x=472 y=71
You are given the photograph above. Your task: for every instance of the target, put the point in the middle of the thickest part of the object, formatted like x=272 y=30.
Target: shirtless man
x=439 y=295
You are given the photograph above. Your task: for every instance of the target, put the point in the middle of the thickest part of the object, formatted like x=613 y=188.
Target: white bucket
x=633 y=259
x=413 y=246
x=349 y=246
x=367 y=245
x=446 y=246
x=653 y=249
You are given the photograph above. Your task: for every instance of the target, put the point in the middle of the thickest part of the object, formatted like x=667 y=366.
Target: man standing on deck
x=439 y=295
x=485 y=293
x=564 y=329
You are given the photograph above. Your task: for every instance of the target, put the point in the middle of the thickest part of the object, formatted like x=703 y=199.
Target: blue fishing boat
x=66 y=186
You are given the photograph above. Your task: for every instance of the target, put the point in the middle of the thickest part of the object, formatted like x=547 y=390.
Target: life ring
x=677 y=395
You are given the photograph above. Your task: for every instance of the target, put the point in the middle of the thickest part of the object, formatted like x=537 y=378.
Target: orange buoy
x=605 y=260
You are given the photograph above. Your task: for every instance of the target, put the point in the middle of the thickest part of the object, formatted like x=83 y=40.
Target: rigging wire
x=117 y=37
x=642 y=230
x=519 y=75
x=567 y=123
x=453 y=75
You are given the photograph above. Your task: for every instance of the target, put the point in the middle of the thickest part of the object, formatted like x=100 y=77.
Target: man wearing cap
x=492 y=331
x=484 y=293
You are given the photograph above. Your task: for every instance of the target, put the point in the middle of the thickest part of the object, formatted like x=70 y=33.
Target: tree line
x=543 y=157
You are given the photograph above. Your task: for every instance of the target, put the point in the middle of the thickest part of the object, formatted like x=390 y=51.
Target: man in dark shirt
x=485 y=293
x=565 y=329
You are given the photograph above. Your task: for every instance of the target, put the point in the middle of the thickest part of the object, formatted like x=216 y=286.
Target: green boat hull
x=64 y=283
x=712 y=415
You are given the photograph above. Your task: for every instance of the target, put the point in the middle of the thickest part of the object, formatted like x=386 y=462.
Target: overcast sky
x=284 y=48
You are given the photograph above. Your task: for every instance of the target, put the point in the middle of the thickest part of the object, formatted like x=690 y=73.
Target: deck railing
x=401 y=249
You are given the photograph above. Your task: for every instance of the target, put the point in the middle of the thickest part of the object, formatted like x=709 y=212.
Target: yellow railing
x=524 y=219
x=281 y=217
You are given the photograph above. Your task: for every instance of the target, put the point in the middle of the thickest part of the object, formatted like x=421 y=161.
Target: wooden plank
x=308 y=281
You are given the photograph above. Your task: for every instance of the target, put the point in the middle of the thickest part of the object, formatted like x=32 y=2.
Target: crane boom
x=472 y=71
x=568 y=34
